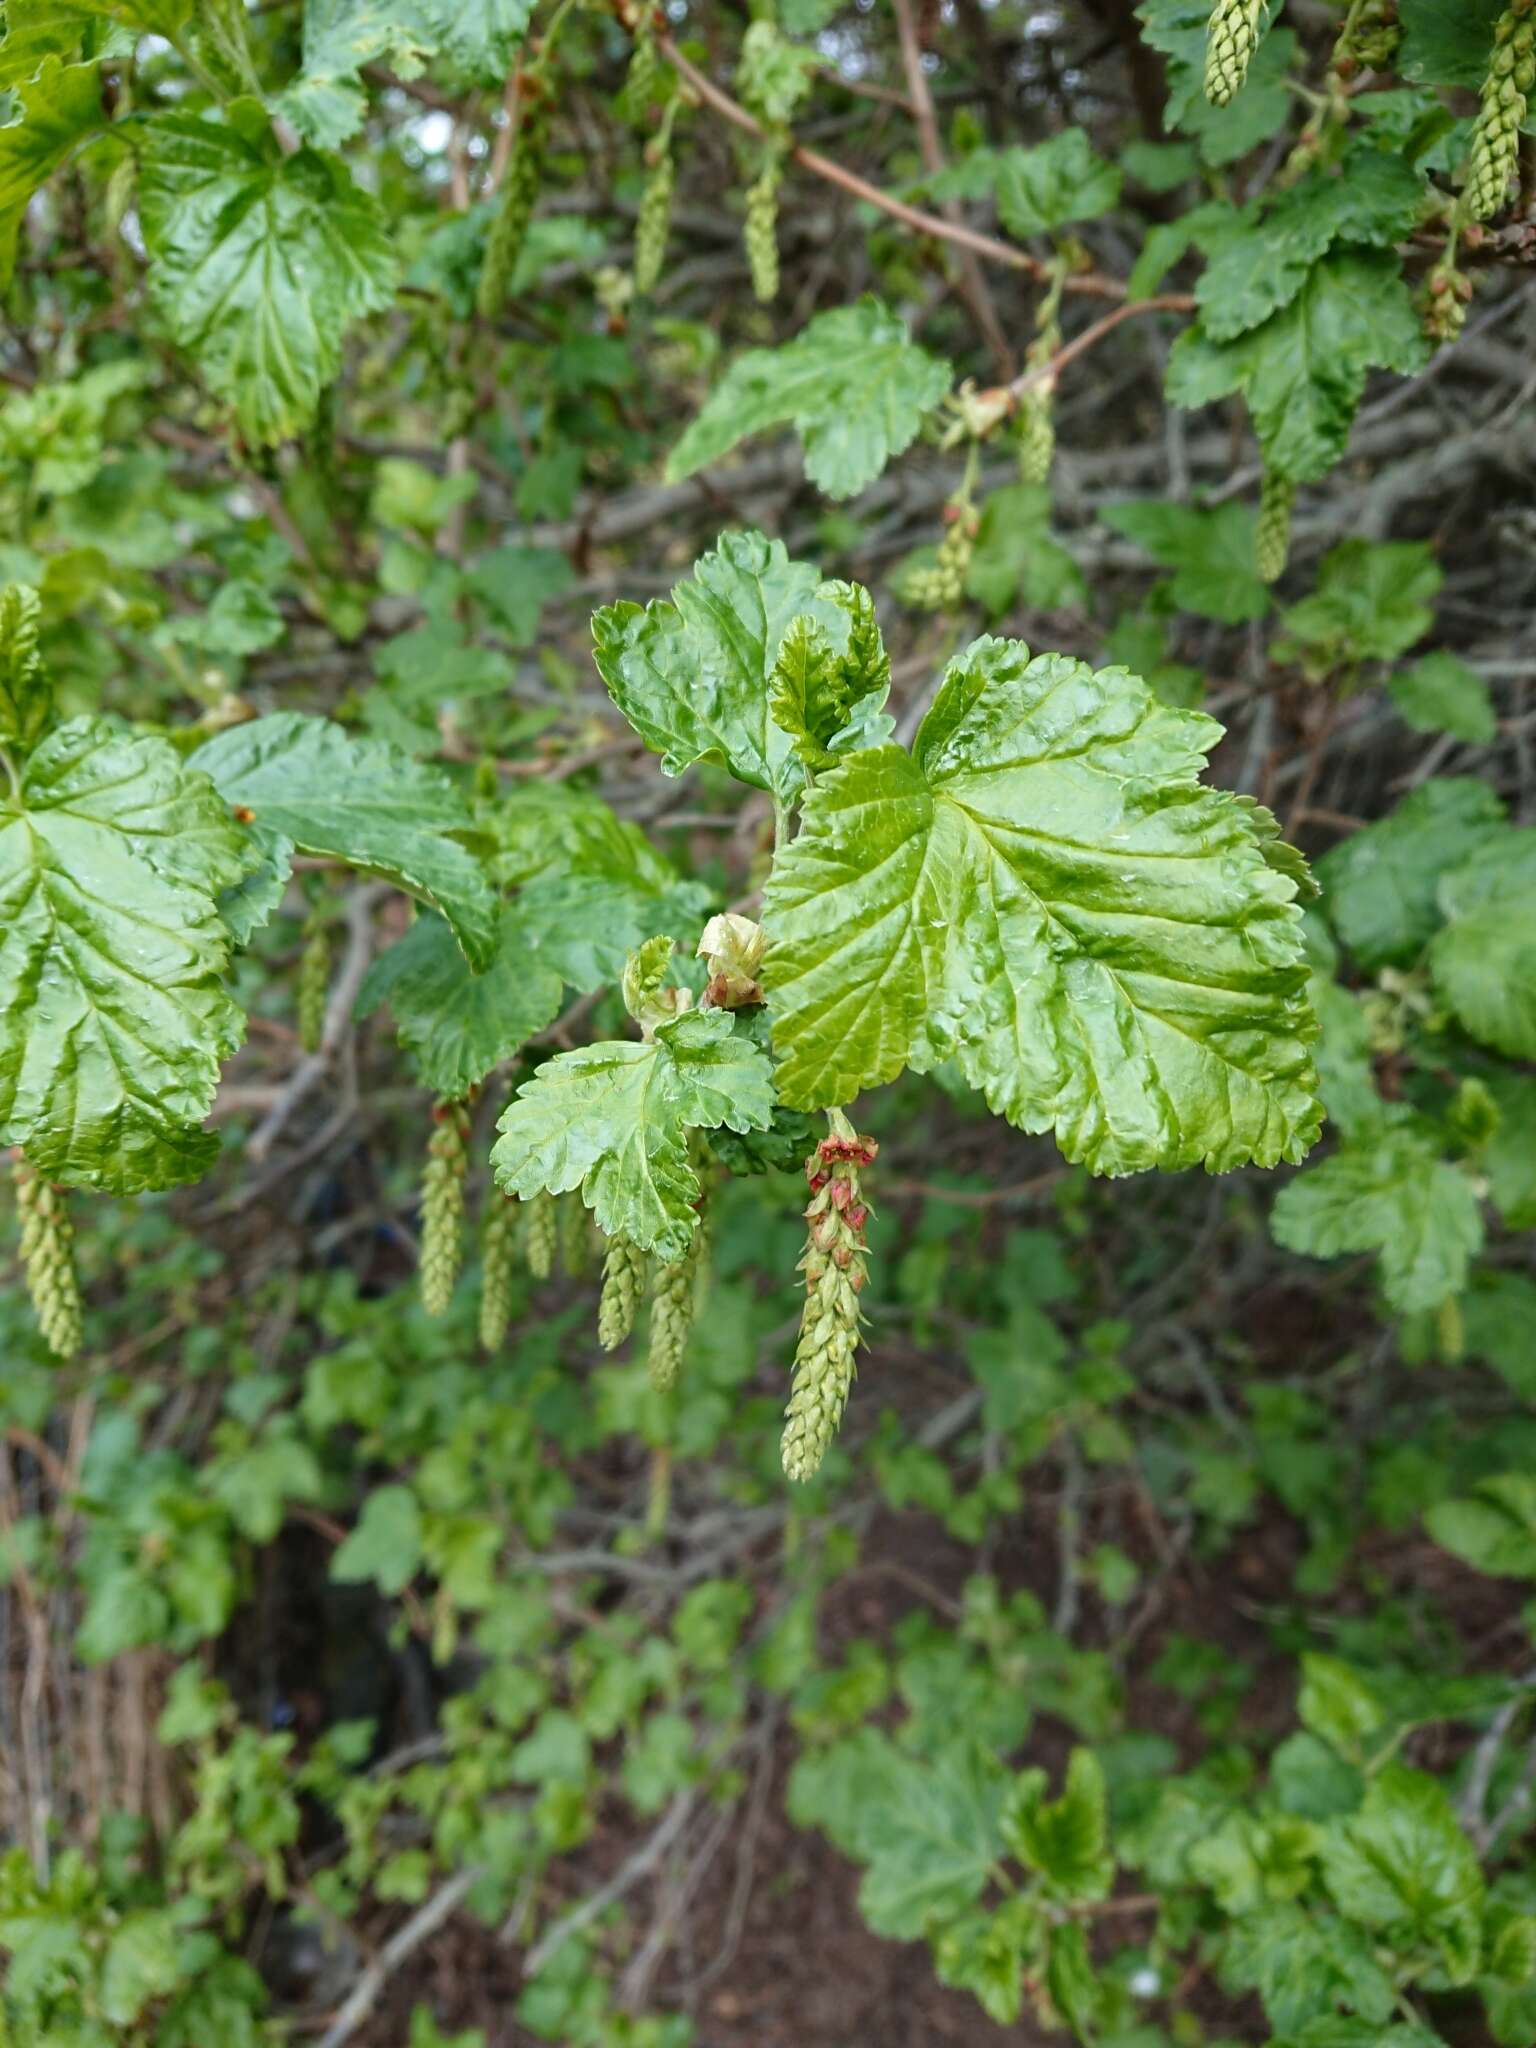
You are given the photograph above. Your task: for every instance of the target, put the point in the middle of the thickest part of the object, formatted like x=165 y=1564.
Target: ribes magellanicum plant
x=271 y=423
x=1040 y=890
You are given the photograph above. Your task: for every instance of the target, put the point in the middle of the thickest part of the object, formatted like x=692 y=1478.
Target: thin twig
x=971 y=277
x=1090 y=283
x=399 y=1949
x=625 y=1878
x=1163 y=302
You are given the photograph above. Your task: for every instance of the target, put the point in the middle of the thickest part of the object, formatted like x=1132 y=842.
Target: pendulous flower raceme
x=1230 y=41
x=835 y=1269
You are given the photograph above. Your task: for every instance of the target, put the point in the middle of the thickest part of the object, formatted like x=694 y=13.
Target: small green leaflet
x=114 y=1019
x=772 y=75
x=457 y=1024
x=1440 y=693
x=819 y=693
x=931 y=1840
x=1304 y=369
x=613 y=1118
x=692 y=674
x=1262 y=261
x=259 y=262
x=309 y=784
x=59 y=108
x=53 y=30
x=1016 y=555
x=1373 y=600
x=1379 y=884
x=26 y=696
x=1484 y=961
x=385 y=1546
x=1403 y=1865
x=1045 y=892
x=1210 y=552
x=853 y=385
x=1065 y=1839
x=1305 y=1963
x=1178 y=29
x=326 y=102
x=1494 y=1530
x=1053 y=183
x=1388 y=1191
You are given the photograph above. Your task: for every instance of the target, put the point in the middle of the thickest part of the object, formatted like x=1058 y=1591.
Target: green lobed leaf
x=693 y=674
x=931 y=1839
x=1264 y=259
x=1373 y=600
x=1305 y=1963
x=1484 y=960
x=385 y=1546
x=1259 y=110
x=312 y=785
x=1447 y=42
x=1052 y=183
x=1046 y=892
x=1016 y=556
x=115 y=1018
x=54 y=28
x=1387 y=1191
x=818 y=694
x=59 y=106
x=853 y=384
x=1494 y=1529
x=1440 y=693
x=1211 y=553
x=1509 y=1157
x=259 y=262
x=1379 y=885
x=1337 y=1703
x=613 y=1118
x=1304 y=369
x=26 y=697
x=1403 y=1865
x=457 y=1024
x=1065 y=1839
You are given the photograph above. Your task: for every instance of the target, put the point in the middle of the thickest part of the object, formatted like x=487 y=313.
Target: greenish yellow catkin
x=573 y=1228
x=623 y=1283
x=519 y=192
x=1444 y=300
x=1231 y=38
x=314 y=982
x=541 y=1234
x=48 y=1258
x=941 y=588
x=654 y=221
x=640 y=80
x=442 y=1204
x=1272 y=539
x=1450 y=1331
x=498 y=1262
x=835 y=1269
x=1495 y=151
x=674 y=1303
x=761 y=233
x=1037 y=434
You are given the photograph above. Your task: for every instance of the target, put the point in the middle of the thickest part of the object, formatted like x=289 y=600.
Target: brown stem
x=1091 y=284
x=971 y=278
x=1165 y=302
